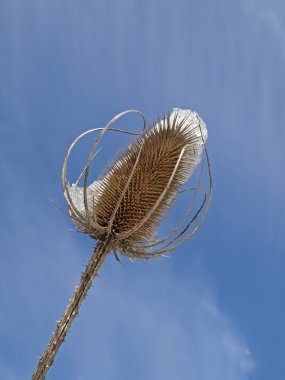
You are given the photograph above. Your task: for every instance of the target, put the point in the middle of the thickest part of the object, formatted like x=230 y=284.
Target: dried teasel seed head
x=123 y=208
x=133 y=195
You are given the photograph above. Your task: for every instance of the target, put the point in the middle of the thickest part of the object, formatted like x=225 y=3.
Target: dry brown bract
x=129 y=201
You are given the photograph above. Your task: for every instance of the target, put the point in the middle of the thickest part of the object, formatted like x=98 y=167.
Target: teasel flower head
x=130 y=200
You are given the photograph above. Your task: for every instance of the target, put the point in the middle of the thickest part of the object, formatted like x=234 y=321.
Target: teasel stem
x=101 y=250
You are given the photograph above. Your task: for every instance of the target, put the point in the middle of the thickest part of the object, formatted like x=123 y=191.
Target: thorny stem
x=100 y=252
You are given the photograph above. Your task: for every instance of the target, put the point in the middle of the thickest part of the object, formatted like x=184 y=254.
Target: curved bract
x=128 y=202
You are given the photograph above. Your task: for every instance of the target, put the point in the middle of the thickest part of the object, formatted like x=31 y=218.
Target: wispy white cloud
x=155 y=326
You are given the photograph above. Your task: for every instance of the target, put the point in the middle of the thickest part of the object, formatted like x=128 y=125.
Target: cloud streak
x=157 y=327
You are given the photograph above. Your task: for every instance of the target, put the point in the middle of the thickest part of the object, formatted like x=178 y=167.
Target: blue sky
x=213 y=310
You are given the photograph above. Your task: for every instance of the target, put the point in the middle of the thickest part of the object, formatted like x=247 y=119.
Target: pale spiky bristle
x=160 y=149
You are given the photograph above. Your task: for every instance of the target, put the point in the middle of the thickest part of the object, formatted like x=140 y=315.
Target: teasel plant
x=124 y=207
